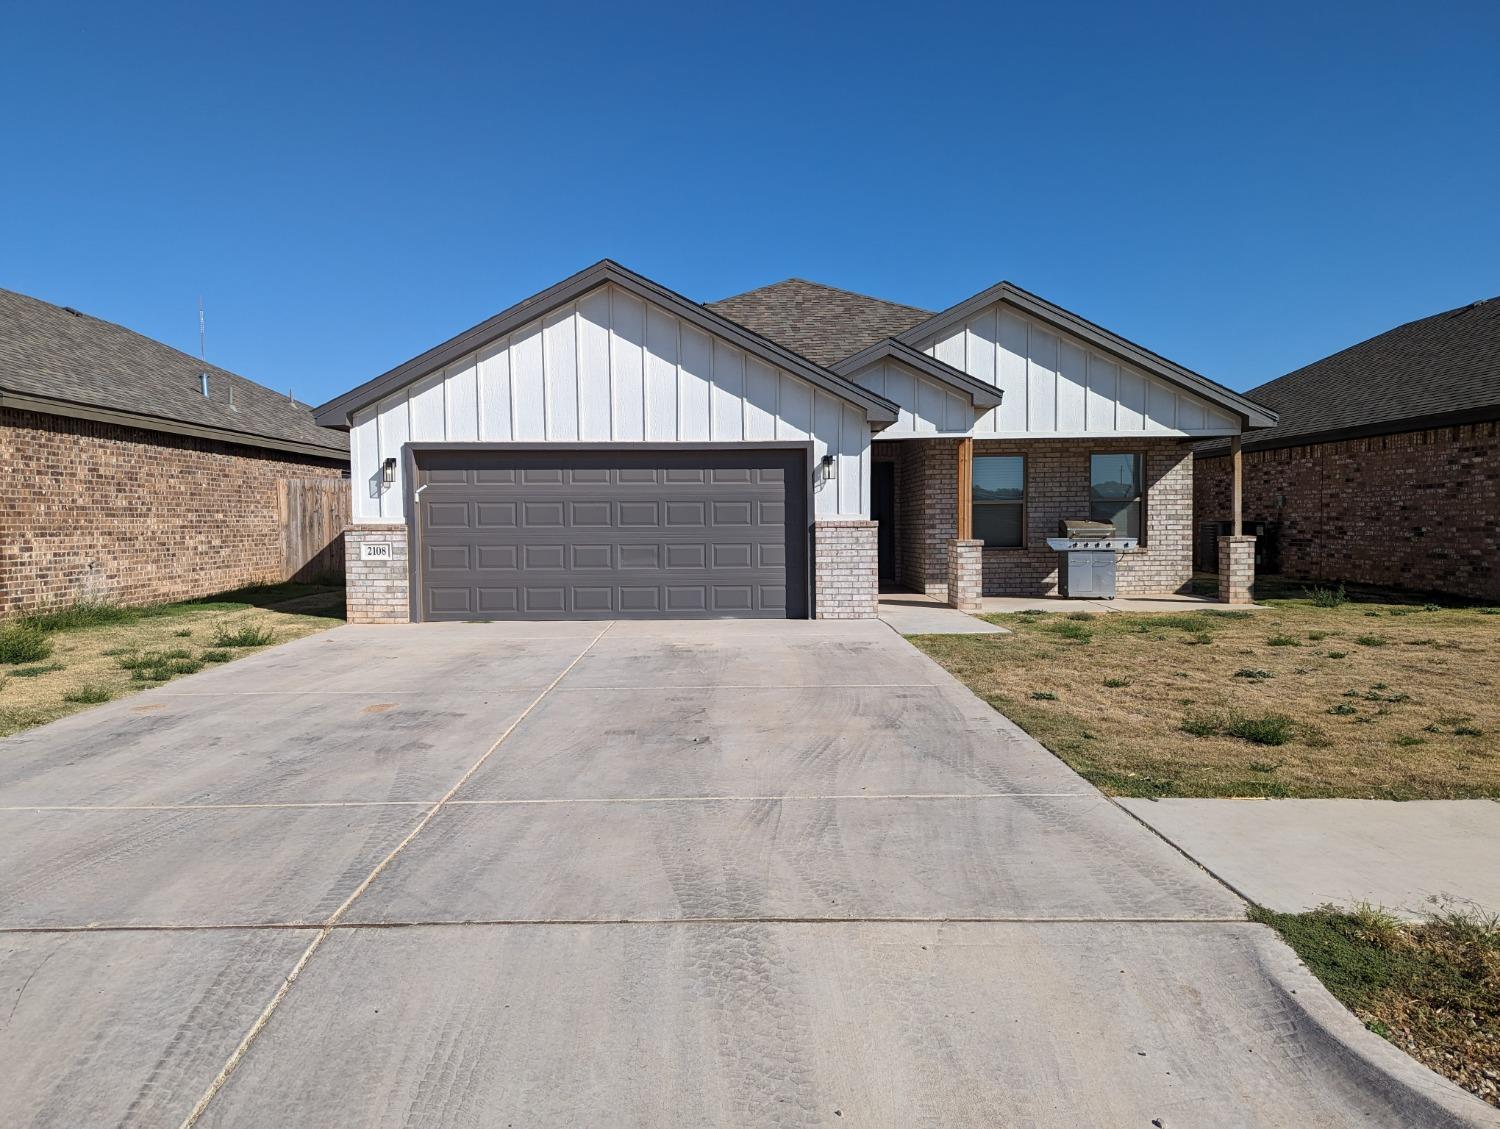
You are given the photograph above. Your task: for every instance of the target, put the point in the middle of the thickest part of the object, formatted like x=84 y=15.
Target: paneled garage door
x=604 y=534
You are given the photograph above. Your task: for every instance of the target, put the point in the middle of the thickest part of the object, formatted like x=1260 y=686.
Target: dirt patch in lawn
x=96 y=653
x=1364 y=699
x=1432 y=989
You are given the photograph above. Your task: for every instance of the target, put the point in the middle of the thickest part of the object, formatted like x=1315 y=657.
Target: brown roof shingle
x=822 y=323
x=54 y=353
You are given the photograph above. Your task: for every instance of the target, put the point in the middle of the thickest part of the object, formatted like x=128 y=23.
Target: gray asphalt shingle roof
x=50 y=352
x=822 y=323
x=1439 y=366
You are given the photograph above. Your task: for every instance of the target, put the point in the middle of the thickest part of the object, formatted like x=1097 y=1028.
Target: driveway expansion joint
x=291 y=978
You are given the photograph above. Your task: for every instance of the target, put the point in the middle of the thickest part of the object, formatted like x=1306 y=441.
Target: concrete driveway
x=747 y=873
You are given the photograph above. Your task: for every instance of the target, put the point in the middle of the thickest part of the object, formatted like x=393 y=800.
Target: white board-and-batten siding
x=610 y=368
x=1057 y=386
x=927 y=407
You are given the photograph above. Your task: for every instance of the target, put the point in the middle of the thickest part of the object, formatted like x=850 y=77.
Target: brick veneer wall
x=1057 y=486
x=1237 y=570
x=966 y=575
x=377 y=591
x=845 y=561
x=1418 y=510
x=926 y=510
x=99 y=511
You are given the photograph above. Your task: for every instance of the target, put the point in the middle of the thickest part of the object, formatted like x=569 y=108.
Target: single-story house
x=609 y=448
x=135 y=473
x=1385 y=465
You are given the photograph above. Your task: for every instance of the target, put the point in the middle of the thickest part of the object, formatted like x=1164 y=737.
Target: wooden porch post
x=1237 y=468
x=966 y=489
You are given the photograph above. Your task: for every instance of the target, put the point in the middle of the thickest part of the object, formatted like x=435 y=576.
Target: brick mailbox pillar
x=375 y=572
x=846 y=570
x=966 y=575
x=1236 y=569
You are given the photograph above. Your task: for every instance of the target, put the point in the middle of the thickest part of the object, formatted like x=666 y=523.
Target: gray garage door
x=570 y=534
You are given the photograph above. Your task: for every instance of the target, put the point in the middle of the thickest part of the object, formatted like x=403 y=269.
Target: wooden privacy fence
x=313 y=513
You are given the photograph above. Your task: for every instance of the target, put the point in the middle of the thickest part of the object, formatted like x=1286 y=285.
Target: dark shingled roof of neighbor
x=822 y=323
x=54 y=353
x=1439 y=369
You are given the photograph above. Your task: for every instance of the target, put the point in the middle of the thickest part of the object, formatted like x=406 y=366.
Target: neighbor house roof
x=1440 y=370
x=822 y=323
x=56 y=360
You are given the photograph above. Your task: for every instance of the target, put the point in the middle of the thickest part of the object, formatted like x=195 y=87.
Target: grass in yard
x=101 y=651
x=1432 y=988
x=1344 y=719
x=23 y=643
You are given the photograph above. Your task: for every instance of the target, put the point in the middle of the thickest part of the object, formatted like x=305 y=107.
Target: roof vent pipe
x=204 y=378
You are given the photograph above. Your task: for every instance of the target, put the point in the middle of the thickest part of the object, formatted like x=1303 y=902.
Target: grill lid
x=1080 y=530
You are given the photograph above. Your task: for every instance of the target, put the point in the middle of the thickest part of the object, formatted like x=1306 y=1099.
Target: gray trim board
x=983 y=396
x=339 y=411
x=67 y=410
x=1253 y=414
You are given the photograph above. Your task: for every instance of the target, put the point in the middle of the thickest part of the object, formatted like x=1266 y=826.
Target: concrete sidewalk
x=1413 y=857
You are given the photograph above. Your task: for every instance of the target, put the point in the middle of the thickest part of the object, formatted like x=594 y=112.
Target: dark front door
x=606 y=534
x=883 y=511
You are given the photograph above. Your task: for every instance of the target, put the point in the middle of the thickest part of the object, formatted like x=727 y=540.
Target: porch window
x=1115 y=491
x=1000 y=501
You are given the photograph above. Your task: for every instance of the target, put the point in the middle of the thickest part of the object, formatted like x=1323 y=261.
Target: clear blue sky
x=1243 y=188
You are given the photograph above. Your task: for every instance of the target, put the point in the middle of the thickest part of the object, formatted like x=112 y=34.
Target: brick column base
x=379 y=589
x=1236 y=570
x=966 y=575
x=846 y=582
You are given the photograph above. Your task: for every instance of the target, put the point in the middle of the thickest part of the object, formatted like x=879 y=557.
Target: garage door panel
x=597 y=534
x=494 y=515
x=497 y=600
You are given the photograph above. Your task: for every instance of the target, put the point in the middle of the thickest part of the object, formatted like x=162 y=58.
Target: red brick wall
x=1418 y=510
x=1057 y=486
x=96 y=511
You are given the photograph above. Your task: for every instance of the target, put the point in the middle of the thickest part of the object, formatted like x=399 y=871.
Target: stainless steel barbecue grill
x=1089 y=550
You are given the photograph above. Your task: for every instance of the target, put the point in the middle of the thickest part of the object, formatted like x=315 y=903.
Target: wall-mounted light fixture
x=388 y=471
x=830 y=468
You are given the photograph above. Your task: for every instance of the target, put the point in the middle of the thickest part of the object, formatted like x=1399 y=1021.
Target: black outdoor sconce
x=388 y=471
x=830 y=468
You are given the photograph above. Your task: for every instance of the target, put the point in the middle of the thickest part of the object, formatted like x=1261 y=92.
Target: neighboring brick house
x=1385 y=467
x=132 y=472
x=609 y=448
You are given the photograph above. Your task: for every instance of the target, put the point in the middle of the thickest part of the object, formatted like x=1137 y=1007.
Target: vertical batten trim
x=510 y=380
x=577 y=372
x=609 y=359
x=677 y=385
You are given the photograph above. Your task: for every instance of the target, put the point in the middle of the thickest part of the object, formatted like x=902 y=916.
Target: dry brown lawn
x=1370 y=699
x=91 y=664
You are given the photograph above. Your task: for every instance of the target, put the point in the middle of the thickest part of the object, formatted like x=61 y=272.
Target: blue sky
x=1243 y=188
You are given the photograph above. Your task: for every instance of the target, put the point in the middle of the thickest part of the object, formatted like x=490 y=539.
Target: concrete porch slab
x=1412 y=857
x=1000 y=605
x=912 y=613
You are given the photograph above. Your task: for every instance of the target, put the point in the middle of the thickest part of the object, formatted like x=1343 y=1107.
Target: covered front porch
x=984 y=508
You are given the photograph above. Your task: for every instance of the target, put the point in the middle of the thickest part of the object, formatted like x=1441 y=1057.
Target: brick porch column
x=378 y=587
x=966 y=575
x=1236 y=569
x=846 y=570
